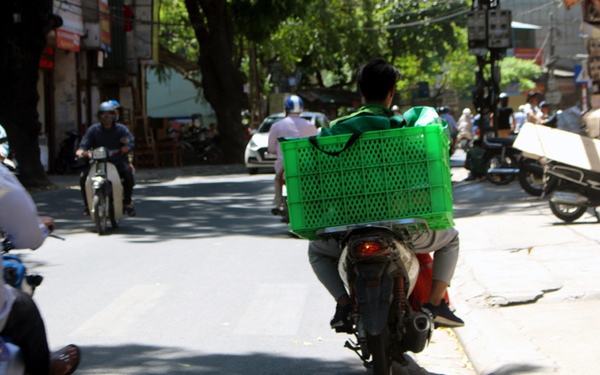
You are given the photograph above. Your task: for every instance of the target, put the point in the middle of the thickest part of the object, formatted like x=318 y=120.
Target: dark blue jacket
x=98 y=136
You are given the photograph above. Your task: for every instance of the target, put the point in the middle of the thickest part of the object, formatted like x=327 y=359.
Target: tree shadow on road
x=193 y=207
x=139 y=359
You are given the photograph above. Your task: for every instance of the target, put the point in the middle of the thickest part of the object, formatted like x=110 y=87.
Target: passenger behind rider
x=291 y=126
x=377 y=83
x=112 y=135
x=20 y=320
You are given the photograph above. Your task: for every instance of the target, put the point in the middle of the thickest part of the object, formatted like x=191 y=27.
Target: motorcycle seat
x=499 y=142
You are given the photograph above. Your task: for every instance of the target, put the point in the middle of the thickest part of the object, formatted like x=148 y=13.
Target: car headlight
x=253 y=144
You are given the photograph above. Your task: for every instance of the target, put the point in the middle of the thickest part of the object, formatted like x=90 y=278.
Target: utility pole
x=489 y=34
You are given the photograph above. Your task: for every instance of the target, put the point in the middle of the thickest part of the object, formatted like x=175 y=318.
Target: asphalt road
x=203 y=281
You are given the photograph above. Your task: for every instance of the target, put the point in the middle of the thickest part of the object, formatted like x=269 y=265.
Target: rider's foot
x=65 y=361
x=277 y=210
x=341 y=321
x=86 y=212
x=442 y=316
x=130 y=210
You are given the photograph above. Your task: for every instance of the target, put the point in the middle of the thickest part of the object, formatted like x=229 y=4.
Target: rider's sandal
x=70 y=362
x=130 y=211
x=86 y=212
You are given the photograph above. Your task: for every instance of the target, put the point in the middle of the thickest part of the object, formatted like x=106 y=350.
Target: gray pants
x=324 y=256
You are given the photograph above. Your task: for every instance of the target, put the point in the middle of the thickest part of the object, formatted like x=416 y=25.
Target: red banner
x=536 y=54
x=67 y=40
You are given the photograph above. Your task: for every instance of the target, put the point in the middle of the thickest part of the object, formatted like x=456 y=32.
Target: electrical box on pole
x=489 y=35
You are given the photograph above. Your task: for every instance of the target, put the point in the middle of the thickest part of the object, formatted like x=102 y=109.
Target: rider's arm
x=273 y=142
x=18 y=215
x=86 y=142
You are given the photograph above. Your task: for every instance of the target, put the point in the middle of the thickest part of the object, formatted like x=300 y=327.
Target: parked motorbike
x=464 y=139
x=571 y=190
x=503 y=163
x=66 y=159
x=204 y=148
x=380 y=271
x=104 y=190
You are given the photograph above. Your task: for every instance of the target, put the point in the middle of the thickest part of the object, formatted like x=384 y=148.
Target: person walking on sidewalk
x=377 y=84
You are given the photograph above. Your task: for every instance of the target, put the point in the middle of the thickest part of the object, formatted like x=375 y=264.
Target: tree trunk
x=221 y=79
x=23 y=28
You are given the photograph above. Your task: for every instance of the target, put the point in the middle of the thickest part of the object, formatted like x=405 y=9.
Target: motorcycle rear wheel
x=531 y=182
x=100 y=213
x=496 y=161
x=380 y=348
x=567 y=212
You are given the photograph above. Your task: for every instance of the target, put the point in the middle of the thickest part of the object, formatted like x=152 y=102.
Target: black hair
x=376 y=78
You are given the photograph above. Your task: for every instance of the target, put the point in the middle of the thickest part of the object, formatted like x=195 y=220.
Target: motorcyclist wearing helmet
x=112 y=135
x=20 y=319
x=291 y=126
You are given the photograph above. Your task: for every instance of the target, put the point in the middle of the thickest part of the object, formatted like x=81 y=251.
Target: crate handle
x=353 y=138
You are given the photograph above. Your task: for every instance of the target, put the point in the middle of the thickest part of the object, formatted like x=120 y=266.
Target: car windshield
x=269 y=121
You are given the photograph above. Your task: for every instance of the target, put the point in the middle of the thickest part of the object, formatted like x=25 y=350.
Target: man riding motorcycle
x=112 y=135
x=291 y=126
x=377 y=83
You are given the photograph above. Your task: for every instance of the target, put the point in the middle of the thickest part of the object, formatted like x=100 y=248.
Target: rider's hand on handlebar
x=80 y=153
x=48 y=222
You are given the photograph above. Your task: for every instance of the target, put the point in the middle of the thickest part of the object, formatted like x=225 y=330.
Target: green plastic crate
x=385 y=175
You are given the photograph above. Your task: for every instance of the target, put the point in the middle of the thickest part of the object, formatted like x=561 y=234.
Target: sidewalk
x=525 y=284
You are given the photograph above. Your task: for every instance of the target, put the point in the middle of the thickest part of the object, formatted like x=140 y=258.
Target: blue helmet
x=294 y=104
x=115 y=103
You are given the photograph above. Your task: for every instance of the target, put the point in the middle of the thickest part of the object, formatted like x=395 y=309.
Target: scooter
x=504 y=162
x=15 y=274
x=284 y=213
x=104 y=190
x=571 y=190
x=380 y=271
x=464 y=139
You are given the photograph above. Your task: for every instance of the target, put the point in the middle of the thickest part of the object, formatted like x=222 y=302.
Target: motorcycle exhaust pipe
x=569 y=198
x=418 y=332
x=503 y=170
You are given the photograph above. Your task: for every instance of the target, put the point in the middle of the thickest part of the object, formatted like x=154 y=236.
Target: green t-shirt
x=367 y=118
x=378 y=117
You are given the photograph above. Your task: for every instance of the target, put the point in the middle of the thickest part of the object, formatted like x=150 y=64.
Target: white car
x=257 y=150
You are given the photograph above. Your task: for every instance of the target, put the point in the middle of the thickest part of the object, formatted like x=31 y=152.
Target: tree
x=224 y=31
x=24 y=26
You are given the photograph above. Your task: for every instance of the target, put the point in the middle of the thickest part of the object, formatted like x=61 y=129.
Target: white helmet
x=106 y=107
x=466 y=111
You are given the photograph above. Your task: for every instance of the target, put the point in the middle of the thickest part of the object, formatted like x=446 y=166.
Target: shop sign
x=47 y=59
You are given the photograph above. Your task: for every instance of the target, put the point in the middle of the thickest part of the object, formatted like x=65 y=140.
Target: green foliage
x=523 y=72
x=175 y=32
x=323 y=42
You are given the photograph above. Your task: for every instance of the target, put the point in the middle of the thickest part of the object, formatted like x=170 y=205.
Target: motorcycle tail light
x=367 y=249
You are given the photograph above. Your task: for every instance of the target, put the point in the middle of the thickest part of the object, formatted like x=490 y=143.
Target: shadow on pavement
x=188 y=208
x=138 y=359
